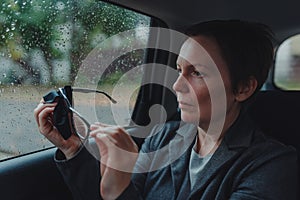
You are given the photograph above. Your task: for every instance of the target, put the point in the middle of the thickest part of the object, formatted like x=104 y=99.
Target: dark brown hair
x=246 y=47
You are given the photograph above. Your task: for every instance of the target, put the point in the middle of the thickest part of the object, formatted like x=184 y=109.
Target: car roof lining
x=281 y=16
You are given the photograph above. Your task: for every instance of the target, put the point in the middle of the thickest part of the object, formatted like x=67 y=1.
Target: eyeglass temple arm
x=86 y=90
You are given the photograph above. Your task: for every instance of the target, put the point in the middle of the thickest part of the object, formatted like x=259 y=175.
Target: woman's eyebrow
x=199 y=65
x=192 y=65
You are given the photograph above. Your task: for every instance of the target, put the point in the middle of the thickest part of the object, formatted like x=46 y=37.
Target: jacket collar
x=240 y=134
x=238 y=137
x=179 y=155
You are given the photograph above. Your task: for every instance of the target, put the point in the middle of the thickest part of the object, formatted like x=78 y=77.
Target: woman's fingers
x=40 y=107
x=99 y=124
x=97 y=128
x=117 y=149
x=116 y=134
x=118 y=154
x=43 y=115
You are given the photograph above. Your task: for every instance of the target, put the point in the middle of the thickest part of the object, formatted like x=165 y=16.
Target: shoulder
x=267 y=147
x=248 y=138
x=267 y=163
x=268 y=160
x=257 y=152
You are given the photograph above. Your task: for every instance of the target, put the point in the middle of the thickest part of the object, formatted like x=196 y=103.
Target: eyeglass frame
x=52 y=95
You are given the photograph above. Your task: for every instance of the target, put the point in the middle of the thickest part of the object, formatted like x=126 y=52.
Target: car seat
x=278 y=114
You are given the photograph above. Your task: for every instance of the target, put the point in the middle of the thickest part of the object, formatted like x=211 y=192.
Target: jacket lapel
x=217 y=162
x=179 y=155
x=237 y=138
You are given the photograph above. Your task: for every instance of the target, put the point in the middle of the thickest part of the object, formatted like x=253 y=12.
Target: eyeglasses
x=66 y=119
x=81 y=126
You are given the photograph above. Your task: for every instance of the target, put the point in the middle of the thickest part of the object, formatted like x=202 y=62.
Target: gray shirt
x=197 y=163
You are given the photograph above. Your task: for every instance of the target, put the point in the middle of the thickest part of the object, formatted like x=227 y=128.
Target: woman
x=227 y=156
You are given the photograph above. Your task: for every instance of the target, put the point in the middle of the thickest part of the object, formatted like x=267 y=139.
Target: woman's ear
x=245 y=90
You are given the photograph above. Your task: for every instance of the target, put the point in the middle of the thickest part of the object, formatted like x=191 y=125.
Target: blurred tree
x=29 y=25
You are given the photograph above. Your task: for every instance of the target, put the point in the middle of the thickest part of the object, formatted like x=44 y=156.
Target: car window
x=287 y=64
x=49 y=44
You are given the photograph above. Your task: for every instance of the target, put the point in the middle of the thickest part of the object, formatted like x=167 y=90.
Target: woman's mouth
x=183 y=104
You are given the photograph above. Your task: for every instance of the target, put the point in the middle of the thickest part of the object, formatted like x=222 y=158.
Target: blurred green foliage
x=27 y=25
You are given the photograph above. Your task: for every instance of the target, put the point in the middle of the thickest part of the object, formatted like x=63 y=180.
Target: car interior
x=34 y=175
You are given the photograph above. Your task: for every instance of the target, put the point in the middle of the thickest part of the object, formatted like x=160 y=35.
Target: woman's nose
x=180 y=84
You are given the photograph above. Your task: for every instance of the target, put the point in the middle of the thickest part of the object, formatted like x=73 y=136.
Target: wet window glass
x=47 y=44
x=287 y=64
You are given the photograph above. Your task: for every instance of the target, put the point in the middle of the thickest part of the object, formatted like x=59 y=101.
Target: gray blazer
x=247 y=165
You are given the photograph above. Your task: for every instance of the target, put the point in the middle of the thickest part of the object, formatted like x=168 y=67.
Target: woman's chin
x=189 y=117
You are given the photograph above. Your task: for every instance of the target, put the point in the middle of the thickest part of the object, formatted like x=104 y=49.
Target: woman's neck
x=208 y=139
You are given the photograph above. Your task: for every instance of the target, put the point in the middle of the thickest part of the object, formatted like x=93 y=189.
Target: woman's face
x=201 y=73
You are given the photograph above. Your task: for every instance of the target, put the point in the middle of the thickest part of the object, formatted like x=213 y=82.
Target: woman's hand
x=118 y=154
x=43 y=114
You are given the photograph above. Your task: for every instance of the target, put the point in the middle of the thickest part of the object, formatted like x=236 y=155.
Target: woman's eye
x=197 y=74
x=179 y=70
